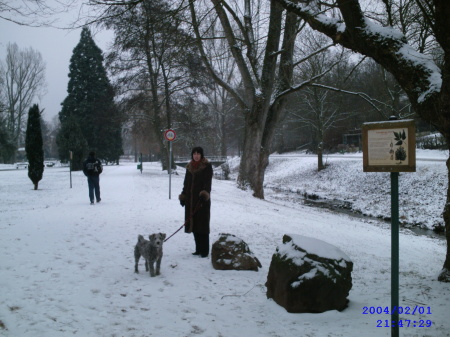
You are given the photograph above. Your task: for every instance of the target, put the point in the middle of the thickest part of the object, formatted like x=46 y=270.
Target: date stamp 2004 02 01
x=420 y=323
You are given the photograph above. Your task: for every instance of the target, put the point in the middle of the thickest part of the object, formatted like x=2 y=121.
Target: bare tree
x=24 y=78
x=315 y=105
x=319 y=111
x=426 y=84
x=153 y=60
x=34 y=13
x=7 y=147
x=221 y=103
x=386 y=96
x=262 y=46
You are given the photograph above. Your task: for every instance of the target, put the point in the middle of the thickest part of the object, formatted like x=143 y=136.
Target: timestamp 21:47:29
x=404 y=323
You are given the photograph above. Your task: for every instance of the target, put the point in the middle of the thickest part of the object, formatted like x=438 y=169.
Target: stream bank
x=345 y=207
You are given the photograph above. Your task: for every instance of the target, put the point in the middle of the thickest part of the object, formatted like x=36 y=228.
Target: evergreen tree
x=7 y=147
x=90 y=101
x=70 y=138
x=34 y=146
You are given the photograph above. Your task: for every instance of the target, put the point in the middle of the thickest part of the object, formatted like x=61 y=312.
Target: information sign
x=389 y=146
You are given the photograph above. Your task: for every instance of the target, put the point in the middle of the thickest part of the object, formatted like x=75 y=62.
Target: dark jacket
x=197 y=181
x=97 y=166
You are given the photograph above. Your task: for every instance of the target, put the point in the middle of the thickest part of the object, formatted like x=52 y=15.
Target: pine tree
x=70 y=138
x=90 y=101
x=7 y=147
x=34 y=146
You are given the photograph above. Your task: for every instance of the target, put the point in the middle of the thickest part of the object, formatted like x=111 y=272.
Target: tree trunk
x=135 y=148
x=223 y=137
x=320 y=166
x=320 y=133
x=444 y=275
x=164 y=149
x=260 y=131
x=251 y=173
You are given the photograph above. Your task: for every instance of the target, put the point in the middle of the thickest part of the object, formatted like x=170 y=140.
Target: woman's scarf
x=195 y=164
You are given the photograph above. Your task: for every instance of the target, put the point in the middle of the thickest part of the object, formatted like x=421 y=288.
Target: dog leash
x=199 y=205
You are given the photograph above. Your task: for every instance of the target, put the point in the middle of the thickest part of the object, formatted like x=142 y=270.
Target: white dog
x=151 y=251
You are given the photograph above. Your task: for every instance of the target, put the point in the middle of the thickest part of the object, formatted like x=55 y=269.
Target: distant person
x=92 y=168
x=196 y=197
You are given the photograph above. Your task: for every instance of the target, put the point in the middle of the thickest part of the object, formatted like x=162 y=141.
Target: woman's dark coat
x=197 y=181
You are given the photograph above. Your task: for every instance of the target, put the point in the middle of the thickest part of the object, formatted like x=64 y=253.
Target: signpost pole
x=394 y=255
x=70 y=167
x=170 y=136
x=170 y=168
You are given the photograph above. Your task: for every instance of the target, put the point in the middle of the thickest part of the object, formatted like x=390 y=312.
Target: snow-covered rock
x=232 y=253
x=309 y=275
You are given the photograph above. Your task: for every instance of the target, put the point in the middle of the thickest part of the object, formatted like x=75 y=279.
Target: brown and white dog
x=151 y=251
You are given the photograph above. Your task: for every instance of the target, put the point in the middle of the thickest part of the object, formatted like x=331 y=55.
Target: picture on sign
x=170 y=135
x=389 y=146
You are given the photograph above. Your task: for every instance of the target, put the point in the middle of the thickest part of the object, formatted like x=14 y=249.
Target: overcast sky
x=56 y=47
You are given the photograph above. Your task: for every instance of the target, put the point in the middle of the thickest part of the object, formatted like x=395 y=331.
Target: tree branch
x=314 y=53
x=247 y=33
x=303 y=84
x=208 y=65
x=363 y=95
x=416 y=73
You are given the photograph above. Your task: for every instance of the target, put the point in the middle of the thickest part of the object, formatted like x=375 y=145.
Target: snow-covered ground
x=67 y=268
x=422 y=194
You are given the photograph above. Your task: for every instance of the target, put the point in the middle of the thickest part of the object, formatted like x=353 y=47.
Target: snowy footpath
x=67 y=268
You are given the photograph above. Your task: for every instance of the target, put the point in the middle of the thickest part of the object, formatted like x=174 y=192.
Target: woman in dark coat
x=196 y=192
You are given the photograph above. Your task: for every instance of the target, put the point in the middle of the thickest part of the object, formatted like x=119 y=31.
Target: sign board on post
x=170 y=135
x=389 y=146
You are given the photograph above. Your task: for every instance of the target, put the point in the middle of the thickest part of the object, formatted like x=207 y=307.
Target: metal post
x=394 y=255
x=170 y=168
x=70 y=167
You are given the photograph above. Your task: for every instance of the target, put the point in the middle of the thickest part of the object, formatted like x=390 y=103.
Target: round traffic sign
x=170 y=135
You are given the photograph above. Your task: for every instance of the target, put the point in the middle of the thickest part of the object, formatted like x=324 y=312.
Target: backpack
x=98 y=167
x=94 y=167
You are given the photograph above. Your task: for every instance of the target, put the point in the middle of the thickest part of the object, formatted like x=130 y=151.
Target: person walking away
x=92 y=168
x=195 y=197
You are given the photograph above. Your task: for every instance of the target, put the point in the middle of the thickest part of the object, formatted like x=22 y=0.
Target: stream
x=345 y=207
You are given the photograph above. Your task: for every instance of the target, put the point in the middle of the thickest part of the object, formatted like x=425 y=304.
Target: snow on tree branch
x=385 y=45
